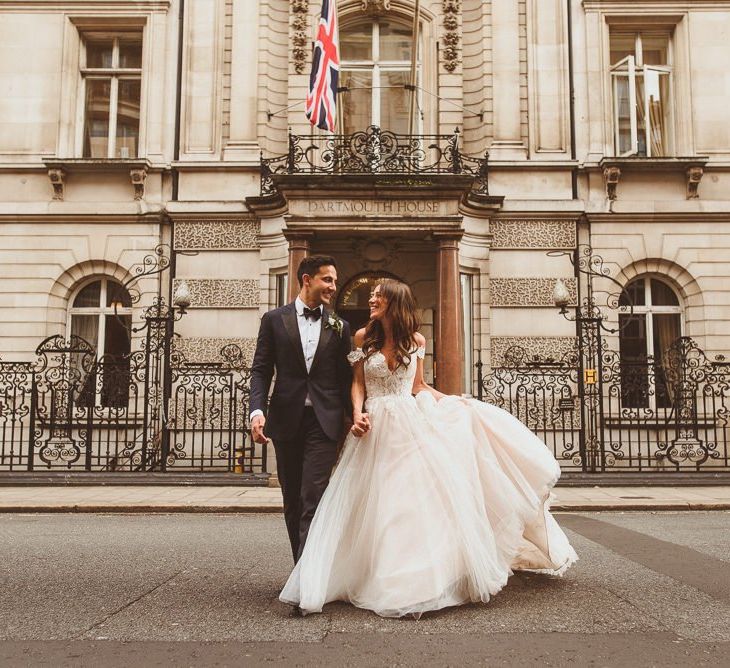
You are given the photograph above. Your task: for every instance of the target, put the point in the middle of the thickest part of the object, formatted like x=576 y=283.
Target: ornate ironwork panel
x=543 y=394
x=16 y=414
x=208 y=422
x=375 y=151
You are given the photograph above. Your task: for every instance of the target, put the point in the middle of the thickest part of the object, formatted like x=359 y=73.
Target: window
x=375 y=68
x=468 y=311
x=111 y=69
x=101 y=314
x=641 y=82
x=282 y=289
x=646 y=336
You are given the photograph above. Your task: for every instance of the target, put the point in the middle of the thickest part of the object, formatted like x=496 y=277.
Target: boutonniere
x=334 y=322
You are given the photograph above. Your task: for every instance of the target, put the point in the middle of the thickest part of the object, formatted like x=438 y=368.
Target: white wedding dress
x=435 y=506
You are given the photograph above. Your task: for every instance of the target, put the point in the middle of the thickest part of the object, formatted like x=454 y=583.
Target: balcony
x=388 y=157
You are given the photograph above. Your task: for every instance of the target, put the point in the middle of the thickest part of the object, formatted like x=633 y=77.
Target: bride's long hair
x=404 y=320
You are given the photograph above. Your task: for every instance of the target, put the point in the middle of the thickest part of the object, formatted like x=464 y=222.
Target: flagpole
x=414 y=61
x=340 y=112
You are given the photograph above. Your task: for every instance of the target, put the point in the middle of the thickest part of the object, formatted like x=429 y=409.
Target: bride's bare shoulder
x=359 y=338
x=420 y=339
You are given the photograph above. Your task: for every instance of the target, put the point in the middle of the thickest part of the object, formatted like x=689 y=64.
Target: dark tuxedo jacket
x=279 y=348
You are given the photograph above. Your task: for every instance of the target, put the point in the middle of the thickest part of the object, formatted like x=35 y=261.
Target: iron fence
x=651 y=416
x=148 y=411
x=155 y=411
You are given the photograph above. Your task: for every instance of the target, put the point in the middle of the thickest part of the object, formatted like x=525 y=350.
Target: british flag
x=321 y=102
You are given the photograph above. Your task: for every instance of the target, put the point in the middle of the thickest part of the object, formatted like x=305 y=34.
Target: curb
x=202 y=509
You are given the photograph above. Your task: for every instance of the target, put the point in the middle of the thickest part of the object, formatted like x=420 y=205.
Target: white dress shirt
x=309 y=331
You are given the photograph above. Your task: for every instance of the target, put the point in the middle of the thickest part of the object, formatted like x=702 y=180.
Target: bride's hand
x=361 y=424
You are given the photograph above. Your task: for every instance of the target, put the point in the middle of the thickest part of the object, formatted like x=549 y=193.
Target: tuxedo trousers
x=304 y=464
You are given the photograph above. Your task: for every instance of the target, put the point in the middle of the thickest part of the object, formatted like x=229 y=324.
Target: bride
x=436 y=499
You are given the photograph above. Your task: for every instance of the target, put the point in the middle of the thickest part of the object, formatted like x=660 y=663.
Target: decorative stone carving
x=208 y=349
x=217 y=235
x=694 y=176
x=57 y=176
x=299 y=25
x=375 y=6
x=540 y=347
x=222 y=293
x=375 y=254
x=138 y=177
x=611 y=175
x=528 y=291
x=542 y=234
x=451 y=37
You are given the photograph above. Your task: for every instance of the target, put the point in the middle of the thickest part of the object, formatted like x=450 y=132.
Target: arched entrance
x=352 y=302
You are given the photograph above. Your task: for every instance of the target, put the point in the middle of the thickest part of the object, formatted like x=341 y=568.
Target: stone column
x=507 y=143
x=298 y=250
x=449 y=339
x=242 y=144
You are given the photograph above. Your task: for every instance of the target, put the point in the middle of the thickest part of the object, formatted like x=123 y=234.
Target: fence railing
x=650 y=416
x=140 y=413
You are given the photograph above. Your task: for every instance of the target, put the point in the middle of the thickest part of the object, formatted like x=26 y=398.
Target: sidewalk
x=202 y=499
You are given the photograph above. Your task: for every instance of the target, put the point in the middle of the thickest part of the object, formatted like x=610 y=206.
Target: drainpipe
x=571 y=88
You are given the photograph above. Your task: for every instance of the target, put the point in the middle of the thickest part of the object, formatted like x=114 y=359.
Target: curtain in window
x=666 y=331
x=85 y=327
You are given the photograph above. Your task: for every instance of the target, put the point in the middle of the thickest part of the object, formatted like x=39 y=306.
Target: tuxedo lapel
x=289 y=317
x=325 y=333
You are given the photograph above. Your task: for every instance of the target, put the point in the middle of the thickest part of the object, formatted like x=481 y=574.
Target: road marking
x=703 y=572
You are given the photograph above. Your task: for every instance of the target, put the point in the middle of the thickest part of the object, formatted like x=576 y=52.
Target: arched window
x=646 y=336
x=375 y=66
x=101 y=314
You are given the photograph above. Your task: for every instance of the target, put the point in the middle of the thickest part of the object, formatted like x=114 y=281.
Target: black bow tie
x=314 y=313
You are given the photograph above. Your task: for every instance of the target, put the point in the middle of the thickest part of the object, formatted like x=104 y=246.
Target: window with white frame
x=100 y=313
x=647 y=333
x=111 y=70
x=375 y=64
x=642 y=89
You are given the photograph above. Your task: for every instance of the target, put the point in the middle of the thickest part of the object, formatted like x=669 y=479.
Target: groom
x=307 y=346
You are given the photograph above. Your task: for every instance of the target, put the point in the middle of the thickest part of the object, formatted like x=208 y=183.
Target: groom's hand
x=361 y=425
x=257 y=429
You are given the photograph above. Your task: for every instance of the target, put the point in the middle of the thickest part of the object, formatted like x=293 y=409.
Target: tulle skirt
x=435 y=506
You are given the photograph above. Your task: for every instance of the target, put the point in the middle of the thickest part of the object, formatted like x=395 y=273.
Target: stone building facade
x=125 y=125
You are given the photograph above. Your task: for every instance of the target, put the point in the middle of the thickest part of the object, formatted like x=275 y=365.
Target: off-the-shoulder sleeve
x=355 y=356
x=421 y=352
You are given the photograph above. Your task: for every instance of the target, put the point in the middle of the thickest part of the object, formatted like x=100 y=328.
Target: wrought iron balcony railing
x=375 y=151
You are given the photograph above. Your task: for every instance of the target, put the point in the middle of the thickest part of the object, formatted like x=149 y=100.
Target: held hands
x=257 y=429
x=361 y=424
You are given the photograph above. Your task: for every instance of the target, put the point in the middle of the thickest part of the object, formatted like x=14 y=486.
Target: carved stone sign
x=372 y=207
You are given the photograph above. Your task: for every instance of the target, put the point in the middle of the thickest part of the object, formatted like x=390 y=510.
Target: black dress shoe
x=296 y=611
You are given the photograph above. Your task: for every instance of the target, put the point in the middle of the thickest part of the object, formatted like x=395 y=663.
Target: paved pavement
x=650 y=589
x=200 y=498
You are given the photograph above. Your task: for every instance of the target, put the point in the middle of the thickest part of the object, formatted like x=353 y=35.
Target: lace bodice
x=380 y=381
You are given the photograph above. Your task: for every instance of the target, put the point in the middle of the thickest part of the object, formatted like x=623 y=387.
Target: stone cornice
x=637 y=216
x=108 y=216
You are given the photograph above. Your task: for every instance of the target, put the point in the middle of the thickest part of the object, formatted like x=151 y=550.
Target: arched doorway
x=352 y=302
